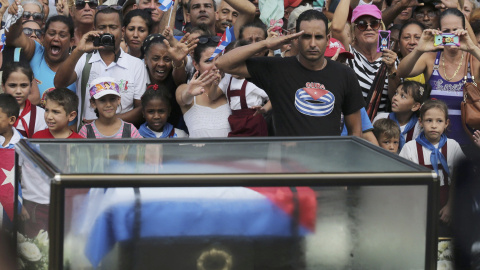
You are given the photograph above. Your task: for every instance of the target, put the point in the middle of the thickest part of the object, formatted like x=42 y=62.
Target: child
x=387 y=133
x=105 y=100
x=9 y=111
x=433 y=150
x=156 y=109
x=61 y=106
x=247 y=104
x=405 y=105
x=17 y=80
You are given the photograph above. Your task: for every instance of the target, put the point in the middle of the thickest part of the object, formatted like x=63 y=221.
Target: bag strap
x=127 y=130
x=90 y=132
x=85 y=76
x=33 y=119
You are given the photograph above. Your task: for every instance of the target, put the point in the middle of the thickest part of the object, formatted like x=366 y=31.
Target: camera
x=104 y=40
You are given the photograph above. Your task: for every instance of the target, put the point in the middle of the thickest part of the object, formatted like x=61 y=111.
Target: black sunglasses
x=204 y=40
x=363 y=25
x=28 y=31
x=80 y=4
x=37 y=16
x=115 y=7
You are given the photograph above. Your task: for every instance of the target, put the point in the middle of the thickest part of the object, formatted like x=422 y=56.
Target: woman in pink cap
x=366 y=21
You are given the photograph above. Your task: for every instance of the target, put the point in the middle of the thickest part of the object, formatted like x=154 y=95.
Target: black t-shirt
x=306 y=102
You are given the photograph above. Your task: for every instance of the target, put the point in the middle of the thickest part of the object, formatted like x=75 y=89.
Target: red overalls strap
x=445 y=189
x=31 y=124
x=237 y=93
x=410 y=135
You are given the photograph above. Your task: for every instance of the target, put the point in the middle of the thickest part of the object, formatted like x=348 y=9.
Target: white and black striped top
x=366 y=72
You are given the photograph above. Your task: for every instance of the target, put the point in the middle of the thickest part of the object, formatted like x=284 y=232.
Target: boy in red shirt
x=60 y=109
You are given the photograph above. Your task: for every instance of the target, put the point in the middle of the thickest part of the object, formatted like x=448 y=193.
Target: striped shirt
x=366 y=72
x=117 y=135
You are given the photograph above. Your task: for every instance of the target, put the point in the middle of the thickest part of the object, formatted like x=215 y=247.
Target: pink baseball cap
x=369 y=10
x=333 y=46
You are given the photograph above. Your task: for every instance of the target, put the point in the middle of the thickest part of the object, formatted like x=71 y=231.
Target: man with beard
x=109 y=61
x=306 y=95
x=234 y=13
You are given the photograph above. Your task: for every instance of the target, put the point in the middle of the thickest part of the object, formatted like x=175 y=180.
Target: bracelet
x=182 y=65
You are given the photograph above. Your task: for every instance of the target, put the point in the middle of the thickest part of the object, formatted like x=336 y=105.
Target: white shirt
x=14 y=140
x=39 y=121
x=255 y=96
x=129 y=73
x=454 y=154
x=416 y=131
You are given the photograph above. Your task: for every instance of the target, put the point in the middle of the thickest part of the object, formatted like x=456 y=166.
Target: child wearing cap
x=105 y=100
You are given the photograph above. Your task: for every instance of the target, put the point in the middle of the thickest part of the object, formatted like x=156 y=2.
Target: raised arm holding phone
x=445 y=70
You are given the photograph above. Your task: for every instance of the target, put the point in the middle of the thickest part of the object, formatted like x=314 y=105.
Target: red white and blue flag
x=223 y=43
x=7 y=186
x=165 y=5
x=248 y=212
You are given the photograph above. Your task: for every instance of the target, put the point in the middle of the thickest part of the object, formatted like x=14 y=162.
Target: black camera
x=104 y=40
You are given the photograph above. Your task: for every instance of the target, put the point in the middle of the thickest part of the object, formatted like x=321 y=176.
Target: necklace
x=456 y=71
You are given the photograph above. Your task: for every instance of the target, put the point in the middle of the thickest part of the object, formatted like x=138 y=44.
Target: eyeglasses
x=37 y=16
x=115 y=7
x=80 y=4
x=363 y=25
x=204 y=40
x=29 y=31
x=430 y=14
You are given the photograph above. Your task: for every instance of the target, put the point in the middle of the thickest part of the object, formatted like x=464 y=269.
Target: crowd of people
x=130 y=69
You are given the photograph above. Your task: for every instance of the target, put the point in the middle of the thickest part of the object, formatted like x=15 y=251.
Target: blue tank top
x=452 y=94
x=43 y=74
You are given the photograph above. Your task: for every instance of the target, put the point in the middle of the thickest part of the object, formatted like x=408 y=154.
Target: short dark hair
x=386 y=127
x=142 y=13
x=255 y=24
x=454 y=12
x=65 y=98
x=213 y=1
x=149 y=41
x=156 y=91
x=197 y=52
x=64 y=19
x=311 y=15
x=9 y=105
x=108 y=10
x=17 y=66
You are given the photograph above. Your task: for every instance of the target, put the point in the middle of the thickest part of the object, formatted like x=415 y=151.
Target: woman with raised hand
x=44 y=58
x=445 y=69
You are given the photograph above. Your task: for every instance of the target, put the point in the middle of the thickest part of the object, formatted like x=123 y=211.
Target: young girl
x=246 y=101
x=156 y=109
x=433 y=150
x=105 y=99
x=17 y=81
x=405 y=105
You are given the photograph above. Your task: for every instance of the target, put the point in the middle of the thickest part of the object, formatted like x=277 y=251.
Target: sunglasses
x=37 y=16
x=204 y=40
x=80 y=4
x=430 y=14
x=29 y=31
x=115 y=7
x=363 y=25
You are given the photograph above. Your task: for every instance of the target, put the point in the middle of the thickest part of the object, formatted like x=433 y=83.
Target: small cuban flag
x=2 y=39
x=223 y=43
x=165 y=5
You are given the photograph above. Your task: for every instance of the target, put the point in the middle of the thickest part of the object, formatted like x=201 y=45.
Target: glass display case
x=268 y=203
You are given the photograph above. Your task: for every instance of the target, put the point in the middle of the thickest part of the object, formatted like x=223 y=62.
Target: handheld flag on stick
x=224 y=41
x=165 y=5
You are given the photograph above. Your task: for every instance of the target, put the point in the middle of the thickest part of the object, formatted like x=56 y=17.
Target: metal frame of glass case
x=60 y=181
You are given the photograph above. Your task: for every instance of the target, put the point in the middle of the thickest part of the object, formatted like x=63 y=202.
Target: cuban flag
x=314 y=101
x=7 y=187
x=223 y=43
x=165 y=5
x=249 y=213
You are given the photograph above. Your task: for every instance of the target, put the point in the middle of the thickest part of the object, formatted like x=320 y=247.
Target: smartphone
x=383 y=40
x=447 y=40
